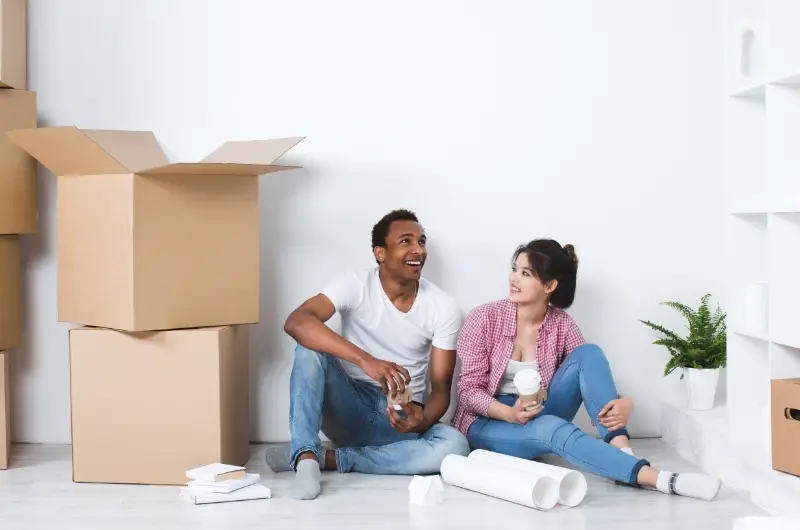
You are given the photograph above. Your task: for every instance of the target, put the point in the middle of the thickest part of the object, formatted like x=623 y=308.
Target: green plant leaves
x=704 y=347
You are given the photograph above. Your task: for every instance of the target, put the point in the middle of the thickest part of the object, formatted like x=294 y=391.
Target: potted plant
x=701 y=354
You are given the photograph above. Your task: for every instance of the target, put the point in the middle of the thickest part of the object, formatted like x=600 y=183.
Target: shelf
x=788 y=80
x=753 y=334
x=783 y=39
x=756 y=210
x=784 y=360
x=784 y=262
x=744 y=163
x=762 y=172
x=782 y=154
x=756 y=90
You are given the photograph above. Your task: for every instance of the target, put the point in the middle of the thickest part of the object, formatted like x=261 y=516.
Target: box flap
x=202 y=168
x=71 y=151
x=259 y=152
x=135 y=150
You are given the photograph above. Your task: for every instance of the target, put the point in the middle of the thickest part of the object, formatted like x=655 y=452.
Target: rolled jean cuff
x=340 y=460
x=613 y=434
x=317 y=450
x=634 y=478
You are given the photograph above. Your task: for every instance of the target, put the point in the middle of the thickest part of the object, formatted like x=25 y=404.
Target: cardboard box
x=10 y=293
x=14 y=44
x=5 y=410
x=786 y=425
x=18 y=212
x=144 y=244
x=147 y=407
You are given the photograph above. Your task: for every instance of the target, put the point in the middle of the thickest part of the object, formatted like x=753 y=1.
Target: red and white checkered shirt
x=485 y=345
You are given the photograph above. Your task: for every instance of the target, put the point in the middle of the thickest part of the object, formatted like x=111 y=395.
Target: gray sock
x=306 y=480
x=278 y=458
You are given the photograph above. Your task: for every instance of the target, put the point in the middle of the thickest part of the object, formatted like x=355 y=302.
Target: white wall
x=596 y=123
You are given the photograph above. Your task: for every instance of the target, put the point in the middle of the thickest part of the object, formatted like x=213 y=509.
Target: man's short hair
x=381 y=229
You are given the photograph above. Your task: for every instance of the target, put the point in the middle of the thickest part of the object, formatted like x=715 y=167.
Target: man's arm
x=306 y=325
x=441 y=369
x=420 y=419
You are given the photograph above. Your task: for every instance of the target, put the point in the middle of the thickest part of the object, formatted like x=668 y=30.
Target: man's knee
x=588 y=353
x=309 y=361
x=446 y=441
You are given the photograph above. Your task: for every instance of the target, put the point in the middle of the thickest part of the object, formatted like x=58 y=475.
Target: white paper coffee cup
x=528 y=383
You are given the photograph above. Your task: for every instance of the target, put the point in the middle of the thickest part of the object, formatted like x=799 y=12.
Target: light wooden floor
x=37 y=493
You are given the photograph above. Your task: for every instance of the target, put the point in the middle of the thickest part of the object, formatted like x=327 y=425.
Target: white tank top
x=506 y=385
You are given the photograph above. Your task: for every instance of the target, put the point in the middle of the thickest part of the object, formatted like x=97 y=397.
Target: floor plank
x=37 y=494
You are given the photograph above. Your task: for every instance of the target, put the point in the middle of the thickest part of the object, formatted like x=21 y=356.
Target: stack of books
x=223 y=483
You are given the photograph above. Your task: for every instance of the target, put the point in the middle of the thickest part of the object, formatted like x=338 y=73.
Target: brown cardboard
x=147 y=407
x=10 y=293
x=144 y=244
x=786 y=425
x=14 y=44
x=18 y=214
x=5 y=410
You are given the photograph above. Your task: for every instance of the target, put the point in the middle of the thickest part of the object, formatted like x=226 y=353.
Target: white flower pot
x=701 y=385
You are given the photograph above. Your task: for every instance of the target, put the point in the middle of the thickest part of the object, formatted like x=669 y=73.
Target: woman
x=530 y=329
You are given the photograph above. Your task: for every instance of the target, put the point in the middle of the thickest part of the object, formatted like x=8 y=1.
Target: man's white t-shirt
x=374 y=324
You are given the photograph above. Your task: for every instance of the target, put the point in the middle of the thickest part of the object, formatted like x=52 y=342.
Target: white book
x=248 y=493
x=216 y=472
x=224 y=486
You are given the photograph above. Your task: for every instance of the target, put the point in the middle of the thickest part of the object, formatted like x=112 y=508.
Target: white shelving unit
x=762 y=171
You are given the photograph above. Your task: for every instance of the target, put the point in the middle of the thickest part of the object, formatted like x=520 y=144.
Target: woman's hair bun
x=569 y=250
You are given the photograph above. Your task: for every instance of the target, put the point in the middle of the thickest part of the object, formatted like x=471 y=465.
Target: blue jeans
x=353 y=415
x=583 y=377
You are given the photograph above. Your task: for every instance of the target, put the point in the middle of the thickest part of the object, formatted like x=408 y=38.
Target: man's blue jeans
x=584 y=377
x=353 y=415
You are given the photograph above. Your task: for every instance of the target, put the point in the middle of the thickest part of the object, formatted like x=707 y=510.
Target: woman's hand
x=518 y=414
x=616 y=413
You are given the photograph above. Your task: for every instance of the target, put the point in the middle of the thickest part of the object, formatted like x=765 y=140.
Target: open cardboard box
x=145 y=244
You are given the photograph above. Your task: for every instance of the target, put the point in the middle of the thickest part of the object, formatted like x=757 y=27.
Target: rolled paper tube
x=528 y=489
x=572 y=485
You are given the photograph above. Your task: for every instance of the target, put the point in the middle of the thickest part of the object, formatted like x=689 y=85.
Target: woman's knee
x=589 y=353
x=553 y=432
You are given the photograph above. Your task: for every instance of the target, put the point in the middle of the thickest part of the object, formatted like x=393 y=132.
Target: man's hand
x=414 y=422
x=518 y=414
x=616 y=413
x=392 y=377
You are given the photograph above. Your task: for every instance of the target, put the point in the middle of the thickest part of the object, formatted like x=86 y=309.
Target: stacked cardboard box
x=17 y=193
x=159 y=262
x=785 y=402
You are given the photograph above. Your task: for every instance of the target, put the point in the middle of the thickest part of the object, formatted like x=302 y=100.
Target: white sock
x=695 y=485
x=627 y=450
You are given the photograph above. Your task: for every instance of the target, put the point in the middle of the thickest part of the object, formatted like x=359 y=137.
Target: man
x=397 y=328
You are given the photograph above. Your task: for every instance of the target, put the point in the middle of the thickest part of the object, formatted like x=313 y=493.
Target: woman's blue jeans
x=583 y=377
